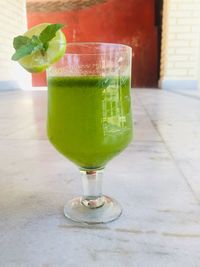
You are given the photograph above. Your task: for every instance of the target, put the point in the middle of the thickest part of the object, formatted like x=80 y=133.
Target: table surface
x=156 y=180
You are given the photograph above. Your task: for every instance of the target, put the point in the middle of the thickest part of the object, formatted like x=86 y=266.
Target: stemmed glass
x=89 y=119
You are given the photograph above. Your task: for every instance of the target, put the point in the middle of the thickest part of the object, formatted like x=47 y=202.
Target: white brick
x=187 y=6
x=193 y=43
x=186 y=2
x=192 y=72
x=184 y=51
x=194 y=28
x=186 y=36
x=170 y=65
x=176 y=58
x=180 y=29
x=172 y=21
x=173 y=6
x=176 y=72
x=179 y=43
x=171 y=37
x=184 y=65
x=192 y=57
x=195 y=13
x=181 y=14
x=171 y=50
x=187 y=21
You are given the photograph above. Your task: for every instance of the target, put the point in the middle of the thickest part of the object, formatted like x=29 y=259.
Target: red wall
x=129 y=22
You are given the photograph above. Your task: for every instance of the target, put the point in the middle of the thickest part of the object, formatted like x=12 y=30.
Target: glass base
x=76 y=210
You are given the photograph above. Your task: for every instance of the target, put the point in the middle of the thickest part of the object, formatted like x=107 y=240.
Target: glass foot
x=81 y=210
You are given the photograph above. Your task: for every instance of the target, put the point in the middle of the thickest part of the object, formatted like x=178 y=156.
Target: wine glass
x=89 y=119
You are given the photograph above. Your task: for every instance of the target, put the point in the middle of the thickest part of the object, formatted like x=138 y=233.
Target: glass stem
x=92 y=188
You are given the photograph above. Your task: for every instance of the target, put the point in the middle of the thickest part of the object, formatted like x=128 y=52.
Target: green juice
x=89 y=118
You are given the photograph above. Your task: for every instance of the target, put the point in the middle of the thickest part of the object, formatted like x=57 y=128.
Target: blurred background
x=164 y=36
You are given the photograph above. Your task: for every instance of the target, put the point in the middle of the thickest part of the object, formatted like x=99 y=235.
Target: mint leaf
x=36 y=40
x=25 y=46
x=20 y=41
x=23 y=51
x=49 y=32
x=46 y=45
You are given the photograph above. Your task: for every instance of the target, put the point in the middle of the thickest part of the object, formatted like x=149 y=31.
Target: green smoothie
x=89 y=118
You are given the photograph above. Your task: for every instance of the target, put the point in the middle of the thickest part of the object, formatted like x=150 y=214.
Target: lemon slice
x=36 y=62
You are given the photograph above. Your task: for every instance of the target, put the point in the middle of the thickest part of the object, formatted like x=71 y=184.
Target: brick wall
x=12 y=23
x=180 y=44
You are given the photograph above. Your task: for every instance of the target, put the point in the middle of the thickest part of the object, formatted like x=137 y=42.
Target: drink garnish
x=40 y=47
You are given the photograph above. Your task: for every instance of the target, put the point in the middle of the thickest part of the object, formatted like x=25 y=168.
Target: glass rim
x=124 y=47
x=98 y=43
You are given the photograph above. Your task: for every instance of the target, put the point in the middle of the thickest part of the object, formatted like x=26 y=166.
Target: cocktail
x=89 y=108
x=89 y=119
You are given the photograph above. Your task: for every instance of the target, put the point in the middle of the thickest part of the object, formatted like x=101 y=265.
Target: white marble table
x=157 y=181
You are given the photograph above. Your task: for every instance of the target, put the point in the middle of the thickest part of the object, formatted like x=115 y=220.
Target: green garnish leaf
x=20 y=41
x=23 y=51
x=36 y=40
x=25 y=46
x=49 y=32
